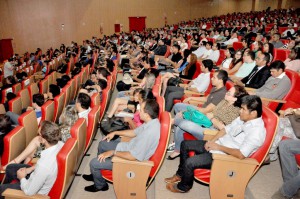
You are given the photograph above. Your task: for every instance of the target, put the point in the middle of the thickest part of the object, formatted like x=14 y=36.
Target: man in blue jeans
x=290 y=173
x=240 y=139
x=143 y=143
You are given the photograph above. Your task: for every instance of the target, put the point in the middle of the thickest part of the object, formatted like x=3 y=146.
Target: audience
x=228 y=140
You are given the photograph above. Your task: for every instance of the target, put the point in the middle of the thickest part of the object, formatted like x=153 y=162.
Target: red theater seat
x=92 y=127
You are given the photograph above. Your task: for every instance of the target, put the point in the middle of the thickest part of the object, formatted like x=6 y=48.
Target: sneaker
x=171 y=147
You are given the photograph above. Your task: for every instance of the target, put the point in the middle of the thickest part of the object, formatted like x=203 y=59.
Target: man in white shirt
x=208 y=50
x=201 y=83
x=240 y=139
x=217 y=34
x=37 y=179
x=199 y=52
x=82 y=105
x=215 y=54
x=8 y=68
x=231 y=40
x=291 y=29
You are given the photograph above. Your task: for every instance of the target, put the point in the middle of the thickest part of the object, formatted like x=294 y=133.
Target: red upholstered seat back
x=67 y=90
x=161 y=102
x=16 y=88
x=4 y=93
x=66 y=164
x=93 y=119
x=78 y=131
x=270 y=121
x=29 y=121
x=222 y=57
x=95 y=99
x=168 y=52
x=237 y=45
x=33 y=89
x=294 y=77
x=15 y=105
x=198 y=70
x=158 y=80
x=281 y=54
x=48 y=111
x=43 y=84
x=59 y=102
x=156 y=90
x=159 y=155
x=104 y=101
x=14 y=143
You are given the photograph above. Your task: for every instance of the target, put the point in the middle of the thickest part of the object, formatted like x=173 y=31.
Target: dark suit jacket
x=259 y=79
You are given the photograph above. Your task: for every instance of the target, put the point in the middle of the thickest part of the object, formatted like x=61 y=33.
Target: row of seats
x=70 y=156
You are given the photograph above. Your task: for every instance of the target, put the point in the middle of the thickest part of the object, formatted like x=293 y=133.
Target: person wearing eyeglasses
x=259 y=75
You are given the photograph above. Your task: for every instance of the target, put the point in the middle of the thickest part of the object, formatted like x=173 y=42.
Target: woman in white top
x=236 y=62
x=229 y=53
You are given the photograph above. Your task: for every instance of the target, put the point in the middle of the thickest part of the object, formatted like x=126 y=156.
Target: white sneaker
x=171 y=147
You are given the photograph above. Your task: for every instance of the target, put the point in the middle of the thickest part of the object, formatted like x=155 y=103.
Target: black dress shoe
x=172 y=158
x=88 y=177
x=92 y=188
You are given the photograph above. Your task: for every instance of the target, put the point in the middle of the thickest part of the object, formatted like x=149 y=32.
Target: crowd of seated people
x=171 y=54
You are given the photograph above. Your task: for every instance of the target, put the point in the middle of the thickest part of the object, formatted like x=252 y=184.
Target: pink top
x=137 y=120
x=293 y=65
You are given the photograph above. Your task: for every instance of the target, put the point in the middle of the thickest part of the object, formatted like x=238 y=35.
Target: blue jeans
x=291 y=177
x=182 y=107
x=182 y=126
x=121 y=94
x=96 y=166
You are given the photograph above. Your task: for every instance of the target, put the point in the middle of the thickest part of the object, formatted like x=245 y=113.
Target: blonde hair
x=68 y=117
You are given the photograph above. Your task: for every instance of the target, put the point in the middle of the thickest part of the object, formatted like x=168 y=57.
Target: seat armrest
x=143 y=163
x=272 y=100
x=192 y=92
x=15 y=194
x=229 y=158
x=210 y=132
x=194 y=102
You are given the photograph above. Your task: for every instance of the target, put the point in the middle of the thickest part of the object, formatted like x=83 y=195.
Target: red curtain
x=137 y=23
x=6 y=49
x=117 y=28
